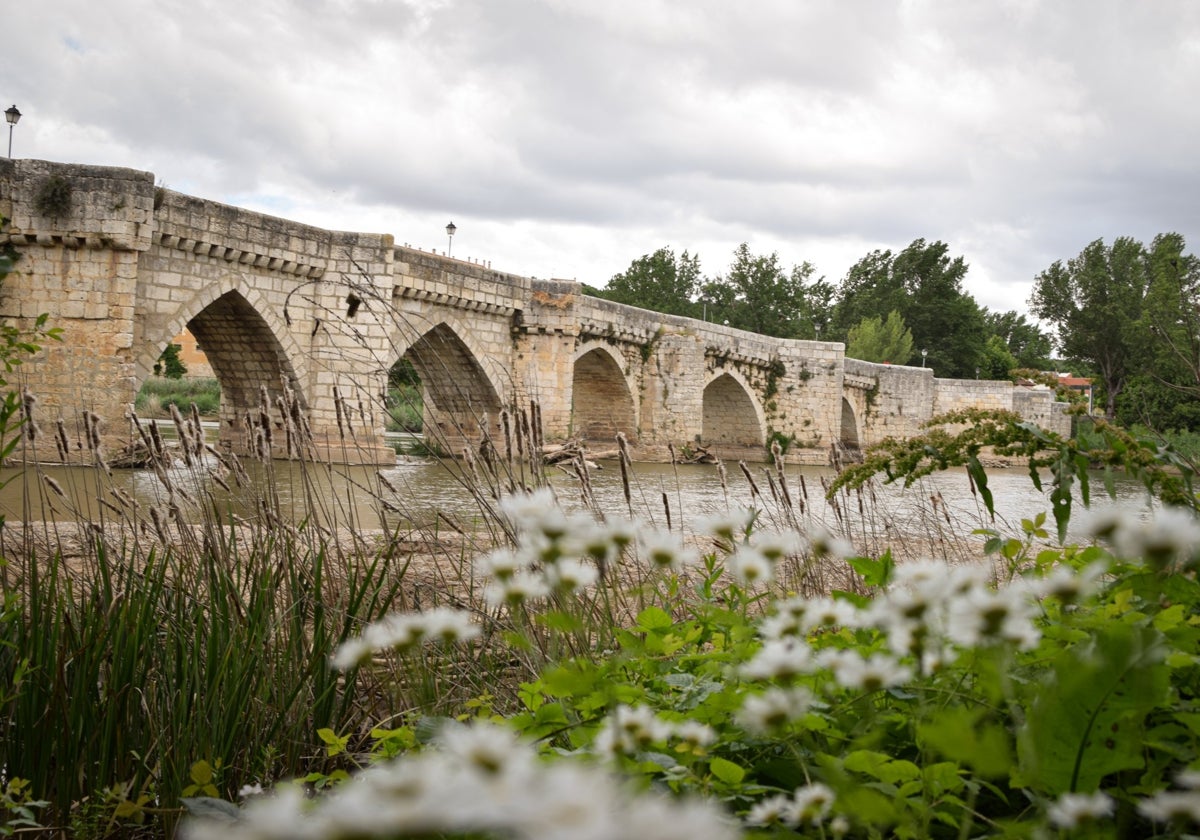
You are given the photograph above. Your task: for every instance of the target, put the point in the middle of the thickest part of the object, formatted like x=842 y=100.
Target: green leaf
x=1086 y=719
x=726 y=770
x=979 y=476
x=961 y=735
x=654 y=618
x=201 y=773
x=333 y=744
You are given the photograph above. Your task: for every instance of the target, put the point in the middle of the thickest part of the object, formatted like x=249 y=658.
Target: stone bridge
x=295 y=315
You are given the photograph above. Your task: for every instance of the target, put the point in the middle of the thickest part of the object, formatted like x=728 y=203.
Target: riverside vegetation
x=596 y=673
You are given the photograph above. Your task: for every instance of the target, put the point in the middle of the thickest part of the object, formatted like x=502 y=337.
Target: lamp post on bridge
x=924 y=353
x=13 y=116
x=450 y=229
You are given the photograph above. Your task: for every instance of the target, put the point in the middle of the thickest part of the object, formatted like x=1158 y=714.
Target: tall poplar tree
x=1094 y=302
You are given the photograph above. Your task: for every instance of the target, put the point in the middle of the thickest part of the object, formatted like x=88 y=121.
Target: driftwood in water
x=557 y=453
x=136 y=456
x=696 y=454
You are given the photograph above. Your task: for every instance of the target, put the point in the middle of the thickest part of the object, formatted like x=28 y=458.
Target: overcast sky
x=565 y=138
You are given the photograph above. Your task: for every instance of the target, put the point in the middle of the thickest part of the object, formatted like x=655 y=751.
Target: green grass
x=158 y=393
x=404 y=408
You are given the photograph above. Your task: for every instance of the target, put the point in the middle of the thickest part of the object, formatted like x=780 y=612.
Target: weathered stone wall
x=889 y=400
x=283 y=308
x=1037 y=405
x=79 y=266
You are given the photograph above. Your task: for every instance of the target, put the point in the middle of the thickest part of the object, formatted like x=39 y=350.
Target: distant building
x=192 y=356
x=1079 y=384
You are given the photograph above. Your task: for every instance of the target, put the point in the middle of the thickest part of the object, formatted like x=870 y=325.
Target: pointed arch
x=294 y=360
x=249 y=349
x=462 y=401
x=602 y=401
x=849 y=436
x=731 y=415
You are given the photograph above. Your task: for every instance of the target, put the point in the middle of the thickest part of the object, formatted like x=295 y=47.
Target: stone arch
x=602 y=402
x=849 y=436
x=248 y=347
x=462 y=399
x=731 y=416
x=206 y=296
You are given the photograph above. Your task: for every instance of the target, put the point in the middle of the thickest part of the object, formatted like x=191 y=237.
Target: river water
x=424 y=491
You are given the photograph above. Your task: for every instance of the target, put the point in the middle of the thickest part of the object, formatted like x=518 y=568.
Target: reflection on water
x=418 y=490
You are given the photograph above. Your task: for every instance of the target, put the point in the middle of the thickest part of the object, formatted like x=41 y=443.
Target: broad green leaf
x=961 y=735
x=726 y=770
x=201 y=772
x=654 y=618
x=1086 y=720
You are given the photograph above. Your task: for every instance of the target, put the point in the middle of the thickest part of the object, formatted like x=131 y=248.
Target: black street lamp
x=924 y=353
x=450 y=229
x=12 y=115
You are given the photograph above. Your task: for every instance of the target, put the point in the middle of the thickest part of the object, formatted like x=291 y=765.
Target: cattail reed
x=289 y=436
x=522 y=424
x=508 y=441
x=160 y=528
x=535 y=410
x=28 y=400
x=198 y=431
x=158 y=450
x=340 y=410
x=667 y=508
x=771 y=485
x=60 y=439
x=54 y=485
x=777 y=456
x=185 y=435
x=754 y=494
x=105 y=503
x=624 y=461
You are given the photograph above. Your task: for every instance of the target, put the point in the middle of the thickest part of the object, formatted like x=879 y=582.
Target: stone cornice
x=239 y=256
x=450 y=300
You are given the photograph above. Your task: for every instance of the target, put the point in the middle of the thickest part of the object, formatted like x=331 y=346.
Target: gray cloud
x=569 y=138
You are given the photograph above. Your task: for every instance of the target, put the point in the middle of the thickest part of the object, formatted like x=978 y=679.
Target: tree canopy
x=924 y=284
x=1093 y=301
x=876 y=339
x=756 y=294
x=660 y=282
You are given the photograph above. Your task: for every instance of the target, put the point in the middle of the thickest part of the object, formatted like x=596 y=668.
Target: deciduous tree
x=757 y=295
x=1094 y=302
x=660 y=282
x=924 y=284
x=876 y=339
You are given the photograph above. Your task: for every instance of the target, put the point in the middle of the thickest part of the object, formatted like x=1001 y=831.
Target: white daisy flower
x=522 y=587
x=749 y=566
x=873 y=673
x=784 y=657
x=1072 y=810
x=1168 y=806
x=774 y=708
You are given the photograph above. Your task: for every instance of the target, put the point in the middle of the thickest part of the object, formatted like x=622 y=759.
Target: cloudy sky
x=565 y=138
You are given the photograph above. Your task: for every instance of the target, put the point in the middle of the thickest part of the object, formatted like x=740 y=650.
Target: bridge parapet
x=239 y=237
x=463 y=285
